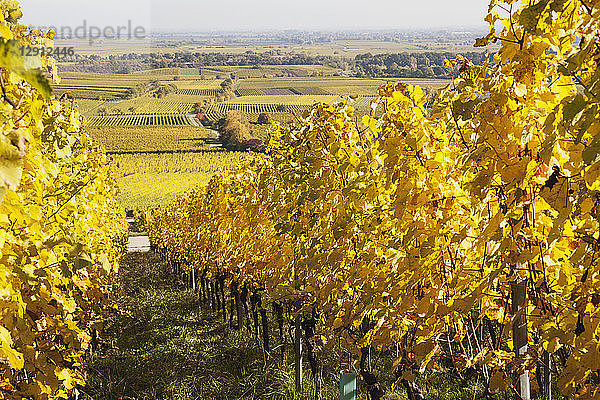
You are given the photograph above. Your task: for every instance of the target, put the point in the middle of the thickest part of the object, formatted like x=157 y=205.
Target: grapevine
x=415 y=227
x=61 y=231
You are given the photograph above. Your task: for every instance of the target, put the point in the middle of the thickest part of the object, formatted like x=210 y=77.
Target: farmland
x=149 y=180
x=102 y=86
x=152 y=113
x=198 y=92
x=387 y=245
x=279 y=112
x=148 y=104
x=140 y=120
x=202 y=82
x=332 y=85
x=151 y=138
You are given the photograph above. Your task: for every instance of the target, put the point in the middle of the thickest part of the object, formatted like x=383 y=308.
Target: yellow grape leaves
x=27 y=68
x=7 y=351
x=61 y=231
x=412 y=231
x=12 y=151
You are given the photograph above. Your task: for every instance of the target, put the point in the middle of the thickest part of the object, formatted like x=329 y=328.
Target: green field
x=101 y=86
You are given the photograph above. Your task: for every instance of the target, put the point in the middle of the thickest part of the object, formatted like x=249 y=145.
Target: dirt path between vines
x=160 y=345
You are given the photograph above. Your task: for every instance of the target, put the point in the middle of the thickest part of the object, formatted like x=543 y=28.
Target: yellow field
x=89 y=107
x=129 y=139
x=335 y=85
x=148 y=104
x=100 y=86
x=196 y=83
x=151 y=180
x=292 y=99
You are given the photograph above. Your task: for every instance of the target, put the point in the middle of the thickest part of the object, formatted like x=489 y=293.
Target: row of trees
x=467 y=233
x=411 y=65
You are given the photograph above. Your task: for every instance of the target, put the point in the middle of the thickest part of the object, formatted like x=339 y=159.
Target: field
x=198 y=92
x=125 y=115
x=185 y=82
x=276 y=95
x=101 y=86
x=140 y=120
x=89 y=107
x=150 y=180
x=148 y=104
x=247 y=224
x=151 y=139
x=332 y=86
x=279 y=112
x=342 y=48
x=283 y=109
x=271 y=71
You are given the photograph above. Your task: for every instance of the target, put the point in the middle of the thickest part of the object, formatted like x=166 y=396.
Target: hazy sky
x=194 y=15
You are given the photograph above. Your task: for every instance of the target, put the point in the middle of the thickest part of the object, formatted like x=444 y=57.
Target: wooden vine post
x=520 y=340
x=298 y=351
x=547 y=375
x=298 y=339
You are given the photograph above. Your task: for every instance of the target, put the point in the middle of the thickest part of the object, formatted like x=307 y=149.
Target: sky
x=258 y=15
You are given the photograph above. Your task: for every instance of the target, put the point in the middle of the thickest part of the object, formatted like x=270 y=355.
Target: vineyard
x=284 y=109
x=149 y=104
x=150 y=138
x=253 y=110
x=249 y=92
x=163 y=107
x=139 y=120
x=267 y=71
x=100 y=86
x=328 y=86
x=278 y=92
x=310 y=90
x=460 y=239
x=415 y=239
x=199 y=92
x=152 y=180
x=191 y=82
x=189 y=71
x=160 y=71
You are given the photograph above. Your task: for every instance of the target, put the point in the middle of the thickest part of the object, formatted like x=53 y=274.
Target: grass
x=162 y=346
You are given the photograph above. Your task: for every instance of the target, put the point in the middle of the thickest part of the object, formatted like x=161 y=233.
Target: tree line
x=392 y=65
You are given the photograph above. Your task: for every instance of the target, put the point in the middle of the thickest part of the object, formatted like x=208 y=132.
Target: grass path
x=161 y=346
